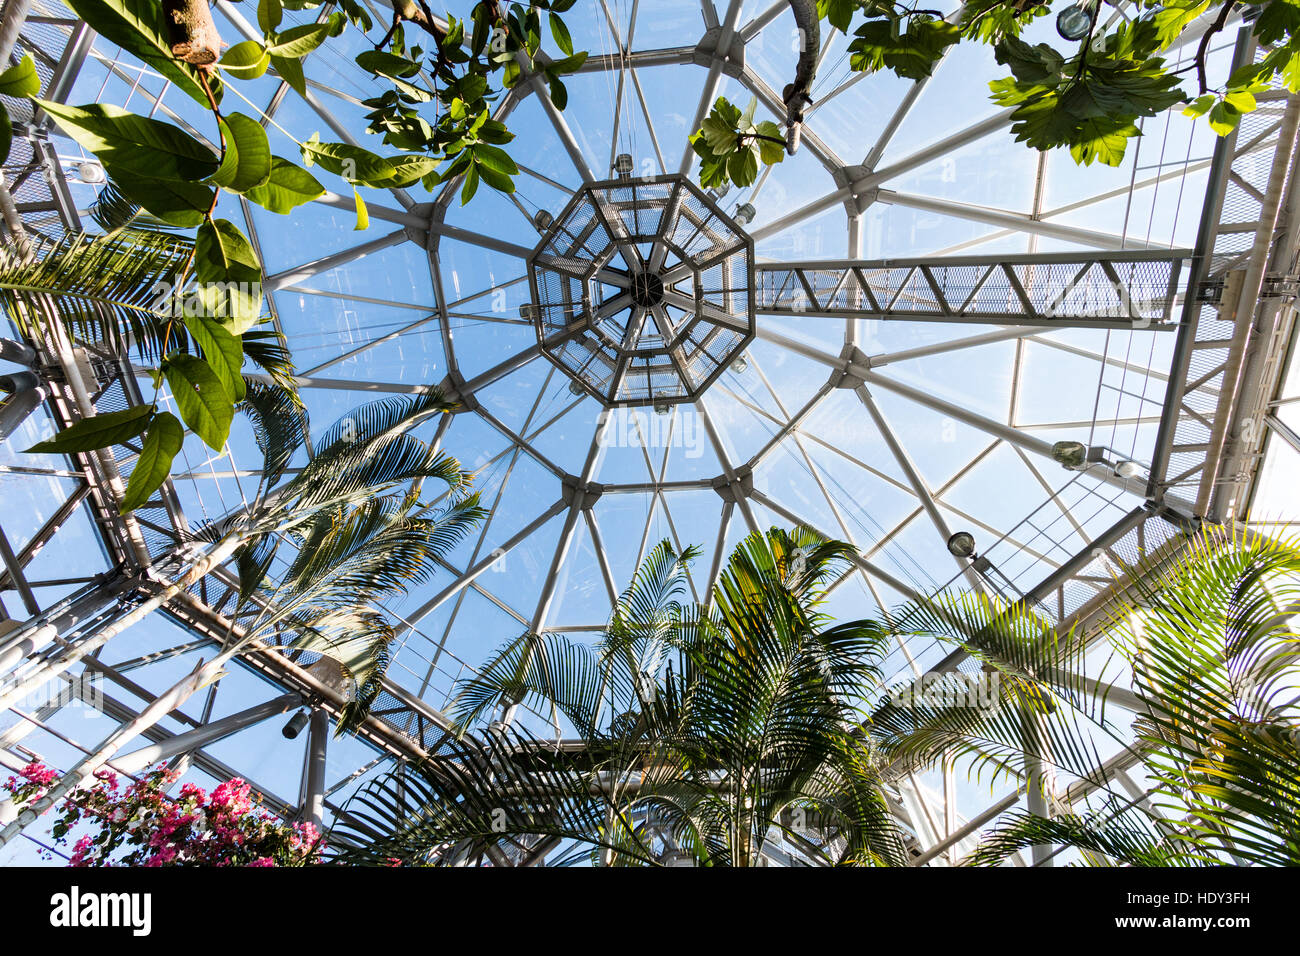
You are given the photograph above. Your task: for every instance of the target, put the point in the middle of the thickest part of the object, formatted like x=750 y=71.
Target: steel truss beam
x=1060 y=290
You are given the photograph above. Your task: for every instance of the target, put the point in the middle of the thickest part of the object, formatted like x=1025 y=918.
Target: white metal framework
x=924 y=307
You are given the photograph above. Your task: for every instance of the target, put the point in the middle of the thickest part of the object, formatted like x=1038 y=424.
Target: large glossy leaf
x=297 y=42
x=354 y=163
x=98 y=431
x=290 y=71
x=246 y=60
x=201 y=398
x=221 y=350
x=247 y=163
x=153 y=466
x=287 y=187
x=229 y=275
x=137 y=145
x=20 y=80
x=175 y=202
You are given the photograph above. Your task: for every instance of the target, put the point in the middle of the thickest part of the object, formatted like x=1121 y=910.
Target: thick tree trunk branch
x=796 y=95
x=194 y=35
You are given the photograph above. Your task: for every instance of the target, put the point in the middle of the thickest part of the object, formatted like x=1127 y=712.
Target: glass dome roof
x=634 y=363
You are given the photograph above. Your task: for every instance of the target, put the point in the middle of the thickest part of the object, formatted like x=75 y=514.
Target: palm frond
x=380 y=419
x=280 y=426
x=112 y=289
x=546 y=670
x=268 y=349
x=494 y=792
x=1127 y=838
x=358 y=640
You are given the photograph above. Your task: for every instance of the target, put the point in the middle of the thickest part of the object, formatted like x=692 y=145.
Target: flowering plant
x=140 y=825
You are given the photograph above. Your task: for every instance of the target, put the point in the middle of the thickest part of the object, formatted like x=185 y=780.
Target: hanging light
x=296 y=724
x=542 y=220
x=92 y=173
x=1074 y=23
x=661 y=405
x=575 y=387
x=739 y=364
x=961 y=544
x=623 y=165
x=1071 y=454
x=744 y=214
x=1127 y=469
x=526 y=311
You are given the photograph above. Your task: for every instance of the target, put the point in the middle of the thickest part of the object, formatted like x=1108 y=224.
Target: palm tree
x=704 y=733
x=1209 y=638
x=352 y=530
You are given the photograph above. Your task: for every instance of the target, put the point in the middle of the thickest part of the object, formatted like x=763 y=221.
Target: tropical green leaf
x=221 y=350
x=289 y=69
x=229 y=275
x=136 y=145
x=247 y=163
x=363 y=217
x=161 y=445
x=99 y=431
x=20 y=80
x=180 y=205
x=246 y=60
x=201 y=398
x=287 y=187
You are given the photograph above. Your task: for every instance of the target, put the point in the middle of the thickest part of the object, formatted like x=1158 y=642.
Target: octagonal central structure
x=641 y=290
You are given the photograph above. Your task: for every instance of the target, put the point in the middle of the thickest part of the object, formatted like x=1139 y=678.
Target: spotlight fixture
x=744 y=214
x=1071 y=454
x=296 y=724
x=740 y=364
x=1074 y=23
x=961 y=544
x=92 y=173
x=623 y=165
x=526 y=311
x=661 y=404
x=575 y=387
x=1127 y=469
x=542 y=220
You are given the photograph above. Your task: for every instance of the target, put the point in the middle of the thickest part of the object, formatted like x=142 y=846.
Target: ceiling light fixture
x=962 y=545
x=1074 y=23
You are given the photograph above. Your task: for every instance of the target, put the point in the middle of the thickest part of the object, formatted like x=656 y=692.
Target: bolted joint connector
x=732 y=59
x=573 y=489
x=850 y=374
x=453 y=389
x=739 y=489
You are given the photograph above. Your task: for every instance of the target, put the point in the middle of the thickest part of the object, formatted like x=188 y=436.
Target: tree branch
x=193 y=34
